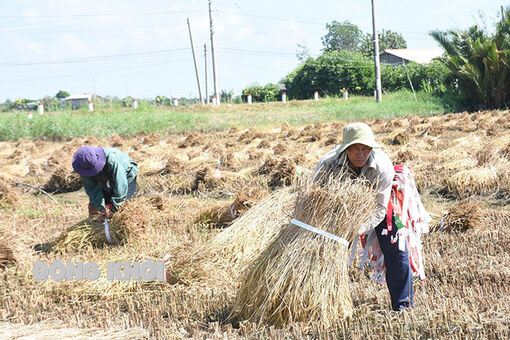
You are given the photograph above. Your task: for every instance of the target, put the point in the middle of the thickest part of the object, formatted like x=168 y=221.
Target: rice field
x=210 y=204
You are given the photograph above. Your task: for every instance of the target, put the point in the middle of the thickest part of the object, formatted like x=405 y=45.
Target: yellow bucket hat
x=355 y=133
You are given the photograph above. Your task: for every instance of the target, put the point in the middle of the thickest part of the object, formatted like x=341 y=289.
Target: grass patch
x=30 y=213
x=126 y=121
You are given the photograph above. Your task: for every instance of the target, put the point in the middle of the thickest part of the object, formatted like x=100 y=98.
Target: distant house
x=401 y=56
x=78 y=100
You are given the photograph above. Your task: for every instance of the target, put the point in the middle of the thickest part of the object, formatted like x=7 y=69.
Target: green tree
x=480 y=61
x=62 y=94
x=342 y=36
x=333 y=71
x=387 y=39
x=226 y=96
x=268 y=93
x=302 y=53
x=329 y=74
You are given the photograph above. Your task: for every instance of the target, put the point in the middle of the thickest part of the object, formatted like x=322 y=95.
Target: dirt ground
x=193 y=187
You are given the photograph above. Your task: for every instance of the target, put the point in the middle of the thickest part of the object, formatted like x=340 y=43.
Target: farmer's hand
x=107 y=213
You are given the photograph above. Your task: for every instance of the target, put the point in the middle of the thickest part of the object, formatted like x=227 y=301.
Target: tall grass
x=107 y=121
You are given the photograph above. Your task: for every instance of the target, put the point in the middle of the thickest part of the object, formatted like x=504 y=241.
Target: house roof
x=418 y=55
x=79 y=96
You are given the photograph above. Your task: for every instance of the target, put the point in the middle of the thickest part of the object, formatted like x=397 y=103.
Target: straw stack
x=476 y=181
x=302 y=276
x=89 y=232
x=63 y=180
x=463 y=216
x=242 y=242
x=134 y=216
x=230 y=251
x=224 y=214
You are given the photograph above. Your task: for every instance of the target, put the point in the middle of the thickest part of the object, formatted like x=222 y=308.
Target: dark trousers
x=399 y=276
x=130 y=194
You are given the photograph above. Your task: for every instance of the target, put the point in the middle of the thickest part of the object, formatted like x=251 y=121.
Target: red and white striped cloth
x=412 y=220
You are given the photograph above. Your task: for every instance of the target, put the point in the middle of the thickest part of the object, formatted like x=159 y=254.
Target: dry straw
x=112 y=289
x=8 y=196
x=462 y=216
x=246 y=238
x=497 y=217
x=210 y=181
x=302 y=276
x=477 y=181
x=63 y=180
x=89 y=232
x=57 y=330
x=224 y=214
x=133 y=217
x=236 y=246
x=6 y=256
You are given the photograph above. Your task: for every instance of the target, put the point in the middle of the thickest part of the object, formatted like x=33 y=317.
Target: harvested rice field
x=212 y=206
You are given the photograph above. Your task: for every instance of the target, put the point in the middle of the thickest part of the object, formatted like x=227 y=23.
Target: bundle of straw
x=242 y=242
x=89 y=232
x=134 y=216
x=225 y=213
x=464 y=215
x=302 y=276
x=63 y=180
x=477 y=181
x=209 y=181
x=230 y=251
x=281 y=172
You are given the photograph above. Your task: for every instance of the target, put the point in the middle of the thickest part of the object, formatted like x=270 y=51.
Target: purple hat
x=89 y=160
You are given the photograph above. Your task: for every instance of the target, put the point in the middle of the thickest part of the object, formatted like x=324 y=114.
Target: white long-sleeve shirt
x=378 y=171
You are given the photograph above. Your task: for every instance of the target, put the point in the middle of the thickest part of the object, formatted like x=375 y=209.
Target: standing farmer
x=109 y=178
x=360 y=157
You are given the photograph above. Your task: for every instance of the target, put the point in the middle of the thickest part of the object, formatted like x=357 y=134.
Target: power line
x=155 y=12
x=256 y=52
x=273 y=18
x=94 y=72
x=95 y=58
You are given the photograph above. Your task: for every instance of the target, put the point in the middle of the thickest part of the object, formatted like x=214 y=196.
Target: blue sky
x=142 y=48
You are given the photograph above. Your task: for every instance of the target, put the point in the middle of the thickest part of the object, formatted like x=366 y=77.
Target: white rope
x=107 y=232
x=320 y=232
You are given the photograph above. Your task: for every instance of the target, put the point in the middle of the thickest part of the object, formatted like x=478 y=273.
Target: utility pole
x=215 y=74
x=502 y=13
x=376 y=57
x=196 y=66
x=206 y=85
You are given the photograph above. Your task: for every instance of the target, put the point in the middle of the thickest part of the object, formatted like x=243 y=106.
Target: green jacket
x=118 y=172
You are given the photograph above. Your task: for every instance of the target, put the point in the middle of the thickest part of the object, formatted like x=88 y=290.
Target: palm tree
x=480 y=61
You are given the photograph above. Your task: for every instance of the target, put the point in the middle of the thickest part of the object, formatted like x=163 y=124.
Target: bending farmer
x=109 y=178
x=360 y=157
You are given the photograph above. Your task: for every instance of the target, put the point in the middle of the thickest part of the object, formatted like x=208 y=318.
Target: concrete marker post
x=40 y=108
